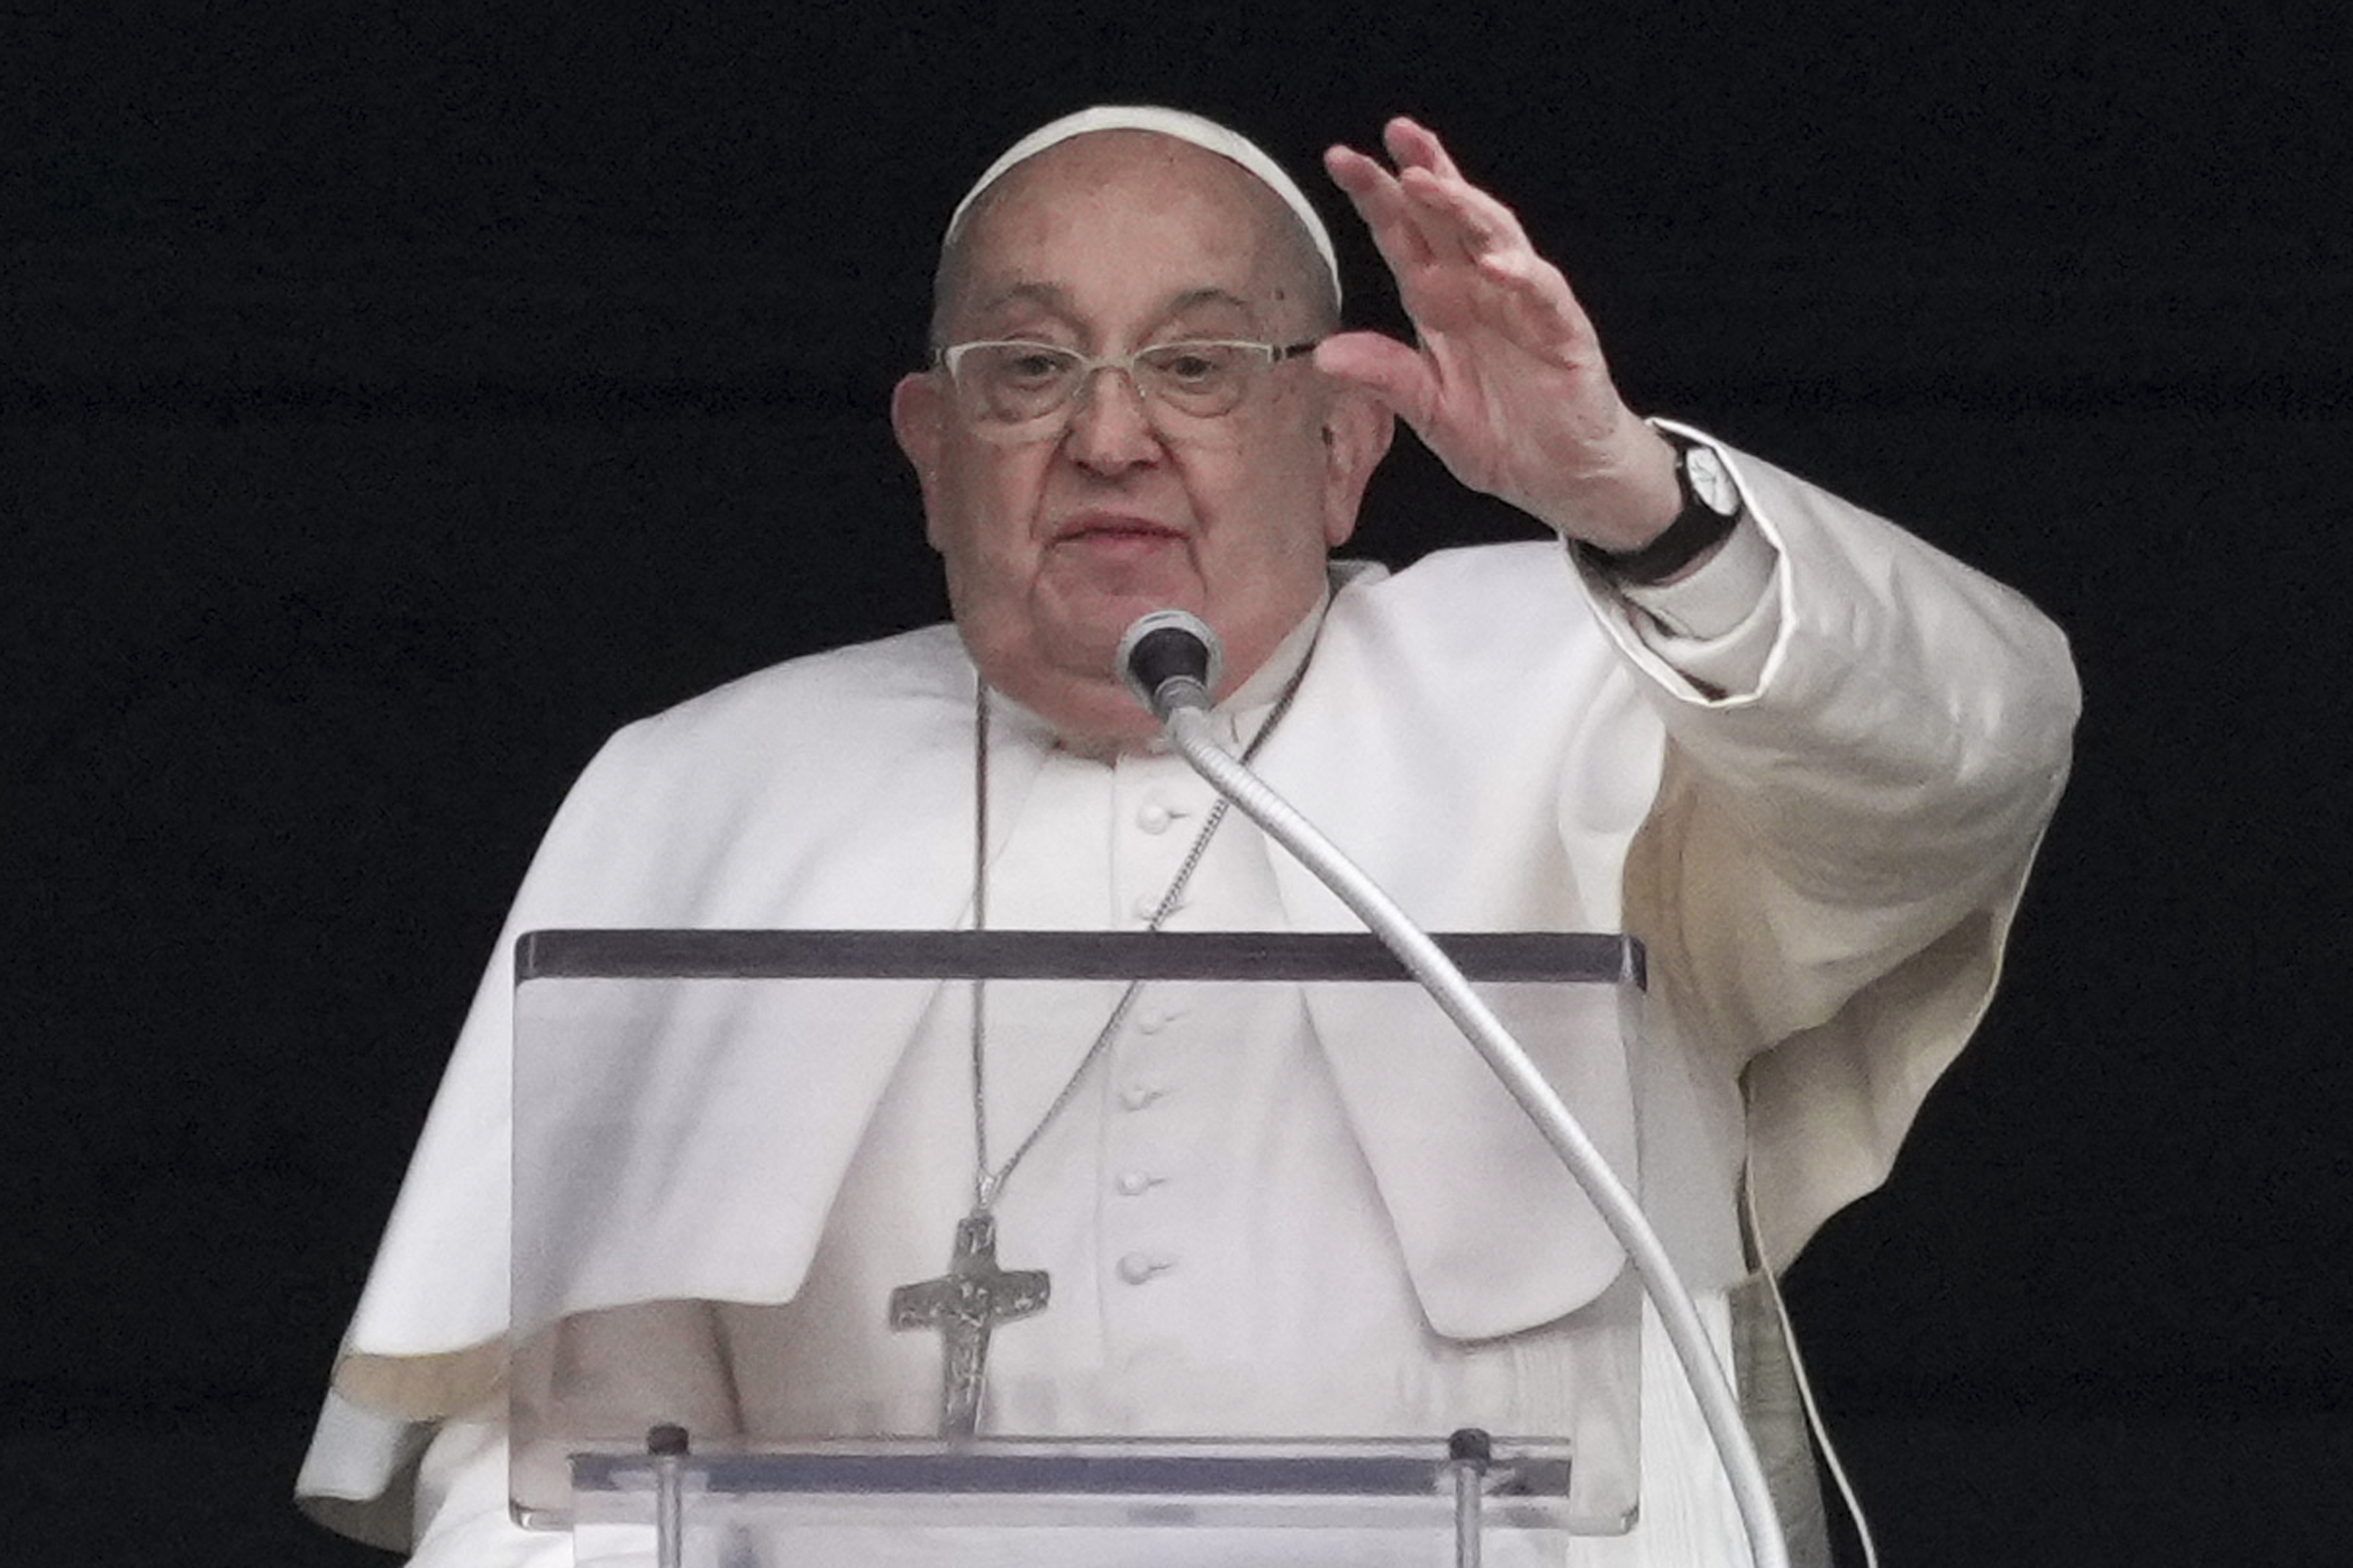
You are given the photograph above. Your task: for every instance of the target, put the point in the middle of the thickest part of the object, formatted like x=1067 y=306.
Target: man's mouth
x=1113 y=527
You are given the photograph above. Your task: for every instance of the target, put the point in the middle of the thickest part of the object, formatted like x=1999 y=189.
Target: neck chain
x=988 y=1183
x=965 y=1304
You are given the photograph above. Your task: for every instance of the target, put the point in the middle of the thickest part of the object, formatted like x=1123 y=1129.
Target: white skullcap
x=1207 y=133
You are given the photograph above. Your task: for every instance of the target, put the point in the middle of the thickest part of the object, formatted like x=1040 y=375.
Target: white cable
x=1188 y=730
x=1806 y=1405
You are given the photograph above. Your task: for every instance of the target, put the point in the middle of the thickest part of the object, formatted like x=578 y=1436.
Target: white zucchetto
x=1185 y=127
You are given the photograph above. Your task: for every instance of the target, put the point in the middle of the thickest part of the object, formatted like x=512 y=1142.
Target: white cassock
x=1817 y=820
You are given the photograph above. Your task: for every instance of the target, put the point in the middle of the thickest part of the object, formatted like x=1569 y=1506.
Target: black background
x=393 y=400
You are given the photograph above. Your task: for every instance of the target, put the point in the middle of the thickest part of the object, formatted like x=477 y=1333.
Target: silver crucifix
x=968 y=1301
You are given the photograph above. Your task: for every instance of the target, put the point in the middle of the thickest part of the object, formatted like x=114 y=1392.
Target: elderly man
x=1802 y=755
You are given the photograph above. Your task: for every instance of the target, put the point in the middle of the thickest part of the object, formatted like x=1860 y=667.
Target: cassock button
x=1139 y=1267
x=1137 y=1096
x=1155 y=817
x=1135 y=1183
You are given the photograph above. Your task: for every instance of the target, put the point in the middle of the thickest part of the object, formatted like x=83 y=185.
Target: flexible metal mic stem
x=1189 y=731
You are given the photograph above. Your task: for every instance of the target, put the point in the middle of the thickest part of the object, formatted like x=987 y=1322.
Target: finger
x=1384 y=367
x=1537 y=288
x=1413 y=145
x=1364 y=181
x=1380 y=203
x=1456 y=217
x=1469 y=220
x=1410 y=147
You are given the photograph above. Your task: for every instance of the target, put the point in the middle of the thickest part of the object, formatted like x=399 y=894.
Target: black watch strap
x=1697 y=529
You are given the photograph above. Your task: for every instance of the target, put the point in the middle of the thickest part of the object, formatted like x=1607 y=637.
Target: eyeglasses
x=1014 y=389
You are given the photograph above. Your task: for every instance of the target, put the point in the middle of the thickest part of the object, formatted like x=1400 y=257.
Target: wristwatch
x=1711 y=509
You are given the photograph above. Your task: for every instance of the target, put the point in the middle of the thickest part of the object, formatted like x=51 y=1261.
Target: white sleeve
x=1858 y=773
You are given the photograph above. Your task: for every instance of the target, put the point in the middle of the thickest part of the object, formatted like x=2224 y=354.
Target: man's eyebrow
x=1052 y=296
x=1208 y=298
x=1194 y=299
x=1058 y=300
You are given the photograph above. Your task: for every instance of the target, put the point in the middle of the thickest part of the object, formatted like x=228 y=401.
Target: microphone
x=1171 y=659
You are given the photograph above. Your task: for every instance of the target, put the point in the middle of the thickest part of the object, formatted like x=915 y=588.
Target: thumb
x=1389 y=370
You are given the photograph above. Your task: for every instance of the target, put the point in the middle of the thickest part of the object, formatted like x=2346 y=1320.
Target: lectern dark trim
x=1496 y=957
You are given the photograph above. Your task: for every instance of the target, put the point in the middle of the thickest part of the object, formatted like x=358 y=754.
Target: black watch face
x=1712 y=482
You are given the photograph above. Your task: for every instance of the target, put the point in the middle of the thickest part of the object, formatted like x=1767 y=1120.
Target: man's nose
x=1110 y=428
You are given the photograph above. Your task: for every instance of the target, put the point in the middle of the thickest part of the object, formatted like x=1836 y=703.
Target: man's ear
x=1358 y=429
x=917 y=410
x=918 y=413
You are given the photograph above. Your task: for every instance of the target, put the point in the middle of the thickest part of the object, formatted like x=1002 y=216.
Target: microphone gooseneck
x=1171 y=659
x=1160 y=659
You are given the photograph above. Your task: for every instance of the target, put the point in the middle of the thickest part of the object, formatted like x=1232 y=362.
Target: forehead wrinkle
x=1057 y=300
x=1052 y=296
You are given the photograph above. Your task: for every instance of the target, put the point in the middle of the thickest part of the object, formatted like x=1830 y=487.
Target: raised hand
x=1507 y=384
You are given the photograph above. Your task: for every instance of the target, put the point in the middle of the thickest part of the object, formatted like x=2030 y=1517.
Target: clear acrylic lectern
x=689 y=1112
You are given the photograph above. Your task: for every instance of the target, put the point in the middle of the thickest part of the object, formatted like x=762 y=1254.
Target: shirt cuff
x=1716 y=628
x=1718 y=595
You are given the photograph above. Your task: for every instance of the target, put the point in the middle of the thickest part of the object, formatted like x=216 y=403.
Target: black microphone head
x=1170 y=646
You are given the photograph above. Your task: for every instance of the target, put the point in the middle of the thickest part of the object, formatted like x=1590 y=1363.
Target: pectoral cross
x=966 y=1302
